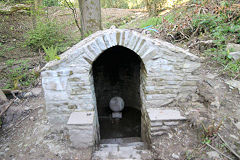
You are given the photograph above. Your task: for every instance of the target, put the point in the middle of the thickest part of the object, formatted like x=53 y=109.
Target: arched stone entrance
x=116 y=72
x=68 y=83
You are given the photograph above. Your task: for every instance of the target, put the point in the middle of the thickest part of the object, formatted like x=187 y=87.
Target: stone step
x=122 y=148
x=132 y=145
x=120 y=140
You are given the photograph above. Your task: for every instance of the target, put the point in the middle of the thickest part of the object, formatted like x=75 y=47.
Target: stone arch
x=69 y=91
x=90 y=48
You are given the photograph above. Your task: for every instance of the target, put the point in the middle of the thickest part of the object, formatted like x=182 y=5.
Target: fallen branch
x=10 y=91
x=228 y=147
x=15 y=8
x=6 y=108
x=195 y=32
x=218 y=151
x=208 y=42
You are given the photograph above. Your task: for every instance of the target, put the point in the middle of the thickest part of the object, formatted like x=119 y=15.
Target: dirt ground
x=29 y=136
x=26 y=133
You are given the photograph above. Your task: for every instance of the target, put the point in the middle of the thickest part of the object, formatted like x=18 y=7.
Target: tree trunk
x=90 y=11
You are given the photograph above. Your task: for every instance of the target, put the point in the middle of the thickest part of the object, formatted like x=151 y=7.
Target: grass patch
x=118 y=22
x=154 y=21
x=10 y=62
x=19 y=75
x=222 y=57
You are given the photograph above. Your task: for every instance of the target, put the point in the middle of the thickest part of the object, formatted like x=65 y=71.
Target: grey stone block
x=157 y=114
x=81 y=118
x=81 y=137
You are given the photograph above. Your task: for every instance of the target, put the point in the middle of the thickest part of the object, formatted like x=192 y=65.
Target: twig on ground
x=184 y=35
x=218 y=151
x=228 y=147
x=236 y=76
x=195 y=32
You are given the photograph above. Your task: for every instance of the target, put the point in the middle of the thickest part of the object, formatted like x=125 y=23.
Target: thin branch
x=227 y=145
x=70 y=5
x=218 y=151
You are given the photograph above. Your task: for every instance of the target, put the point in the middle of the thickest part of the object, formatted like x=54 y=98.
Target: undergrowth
x=204 y=20
x=19 y=74
x=47 y=33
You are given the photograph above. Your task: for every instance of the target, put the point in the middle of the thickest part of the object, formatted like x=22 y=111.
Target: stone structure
x=166 y=73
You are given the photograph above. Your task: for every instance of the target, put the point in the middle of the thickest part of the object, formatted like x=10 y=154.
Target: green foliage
x=10 y=62
x=154 y=7
x=51 y=53
x=222 y=30
x=50 y=3
x=170 y=18
x=114 y=4
x=45 y=34
x=151 y=21
x=221 y=56
x=19 y=75
x=206 y=22
x=4 y=49
x=206 y=140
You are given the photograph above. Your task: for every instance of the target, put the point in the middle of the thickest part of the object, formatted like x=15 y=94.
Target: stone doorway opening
x=117 y=72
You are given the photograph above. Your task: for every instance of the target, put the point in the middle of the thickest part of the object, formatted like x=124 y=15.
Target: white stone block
x=81 y=118
x=171 y=123
x=156 y=114
x=158 y=103
x=82 y=137
x=55 y=96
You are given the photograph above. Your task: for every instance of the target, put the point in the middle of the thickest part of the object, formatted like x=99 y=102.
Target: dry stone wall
x=68 y=82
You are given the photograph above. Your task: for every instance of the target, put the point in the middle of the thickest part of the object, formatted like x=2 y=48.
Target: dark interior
x=116 y=72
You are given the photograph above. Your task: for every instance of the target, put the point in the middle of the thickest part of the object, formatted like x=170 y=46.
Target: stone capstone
x=81 y=118
x=158 y=114
x=161 y=121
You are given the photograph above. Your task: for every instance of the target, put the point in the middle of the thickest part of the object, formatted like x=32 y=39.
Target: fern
x=51 y=53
